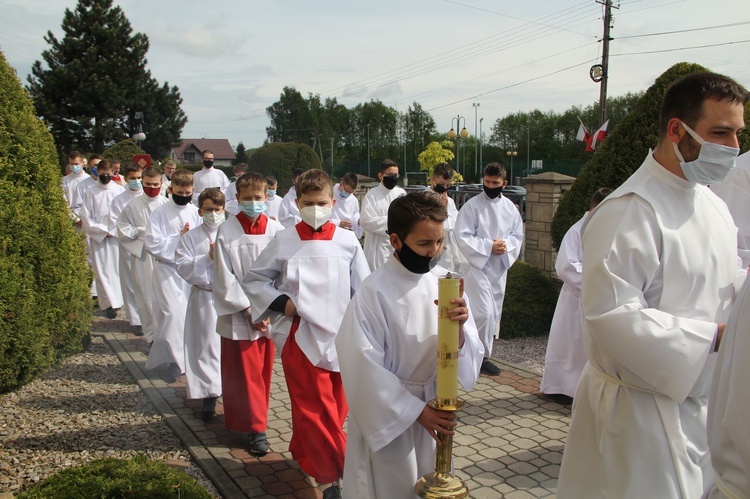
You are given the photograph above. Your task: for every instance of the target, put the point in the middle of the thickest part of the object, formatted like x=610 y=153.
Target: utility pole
x=476 y=134
x=605 y=59
x=331 y=156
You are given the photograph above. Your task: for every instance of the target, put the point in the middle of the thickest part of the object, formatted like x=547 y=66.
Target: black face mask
x=208 y=163
x=440 y=188
x=414 y=263
x=181 y=200
x=390 y=181
x=104 y=179
x=493 y=192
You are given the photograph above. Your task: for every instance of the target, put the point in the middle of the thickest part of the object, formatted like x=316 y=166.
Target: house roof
x=221 y=148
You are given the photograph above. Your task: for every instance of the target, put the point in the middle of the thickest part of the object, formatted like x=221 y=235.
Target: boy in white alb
x=247 y=352
x=374 y=218
x=208 y=177
x=387 y=344
x=194 y=258
x=490 y=233
x=273 y=203
x=131 y=174
x=288 y=209
x=95 y=215
x=166 y=179
x=346 y=209
x=70 y=184
x=131 y=231
x=165 y=227
x=231 y=193
x=308 y=273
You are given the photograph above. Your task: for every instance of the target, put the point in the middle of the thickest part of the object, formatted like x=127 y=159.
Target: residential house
x=190 y=151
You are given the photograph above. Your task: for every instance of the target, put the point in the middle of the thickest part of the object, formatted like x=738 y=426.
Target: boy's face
x=440 y=180
x=136 y=175
x=115 y=168
x=104 y=170
x=425 y=238
x=251 y=194
x=493 y=182
x=388 y=172
x=169 y=170
x=347 y=188
x=152 y=182
x=181 y=190
x=78 y=161
x=271 y=187
x=316 y=198
x=210 y=206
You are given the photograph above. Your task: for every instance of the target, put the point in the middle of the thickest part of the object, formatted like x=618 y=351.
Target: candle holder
x=450 y=265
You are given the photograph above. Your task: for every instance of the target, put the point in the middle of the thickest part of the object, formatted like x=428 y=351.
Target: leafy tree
x=290 y=118
x=241 y=154
x=123 y=151
x=44 y=279
x=434 y=154
x=95 y=81
x=622 y=152
x=280 y=159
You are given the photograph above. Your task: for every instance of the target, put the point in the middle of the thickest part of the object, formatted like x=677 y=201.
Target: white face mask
x=315 y=216
x=713 y=164
x=213 y=219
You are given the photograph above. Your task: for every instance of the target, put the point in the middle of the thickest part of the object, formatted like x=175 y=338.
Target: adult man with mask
x=658 y=282
x=208 y=177
x=374 y=216
x=489 y=229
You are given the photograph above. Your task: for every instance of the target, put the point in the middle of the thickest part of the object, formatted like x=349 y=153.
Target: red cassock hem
x=246 y=369
x=319 y=410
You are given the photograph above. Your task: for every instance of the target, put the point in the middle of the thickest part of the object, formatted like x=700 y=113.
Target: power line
x=684 y=30
x=682 y=48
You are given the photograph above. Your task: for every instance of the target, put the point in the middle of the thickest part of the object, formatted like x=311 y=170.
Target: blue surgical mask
x=76 y=169
x=344 y=194
x=271 y=192
x=94 y=171
x=134 y=184
x=713 y=164
x=252 y=208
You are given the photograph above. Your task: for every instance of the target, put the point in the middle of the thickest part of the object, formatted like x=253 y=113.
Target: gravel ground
x=525 y=352
x=87 y=408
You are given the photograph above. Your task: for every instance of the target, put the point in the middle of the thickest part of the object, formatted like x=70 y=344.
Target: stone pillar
x=543 y=193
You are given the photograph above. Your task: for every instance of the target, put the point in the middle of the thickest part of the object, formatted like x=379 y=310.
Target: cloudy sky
x=231 y=58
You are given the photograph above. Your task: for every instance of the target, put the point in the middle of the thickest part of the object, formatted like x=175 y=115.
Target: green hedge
x=123 y=152
x=623 y=151
x=280 y=159
x=45 y=307
x=530 y=299
x=137 y=478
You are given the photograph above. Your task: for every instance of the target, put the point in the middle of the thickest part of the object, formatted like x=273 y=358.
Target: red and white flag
x=583 y=133
x=591 y=139
x=599 y=135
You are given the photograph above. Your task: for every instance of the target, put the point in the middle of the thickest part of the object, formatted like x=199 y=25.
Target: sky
x=232 y=58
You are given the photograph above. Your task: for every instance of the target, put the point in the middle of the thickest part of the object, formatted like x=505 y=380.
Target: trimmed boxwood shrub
x=530 y=299
x=281 y=158
x=623 y=151
x=45 y=307
x=123 y=152
x=137 y=478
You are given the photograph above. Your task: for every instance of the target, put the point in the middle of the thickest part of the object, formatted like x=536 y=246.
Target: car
x=414 y=188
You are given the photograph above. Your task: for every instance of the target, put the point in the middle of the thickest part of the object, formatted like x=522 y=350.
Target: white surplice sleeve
x=475 y=248
x=568 y=265
x=161 y=245
x=229 y=297
x=621 y=271
x=192 y=265
x=95 y=230
x=371 y=219
x=513 y=241
x=259 y=281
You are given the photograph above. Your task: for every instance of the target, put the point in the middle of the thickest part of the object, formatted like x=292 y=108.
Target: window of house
x=189 y=157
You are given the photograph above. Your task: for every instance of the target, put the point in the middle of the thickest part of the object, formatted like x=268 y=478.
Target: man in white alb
x=660 y=263
x=208 y=177
x=374 y=214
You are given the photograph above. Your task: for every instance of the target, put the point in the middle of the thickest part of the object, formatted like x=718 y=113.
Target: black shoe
x=209 y=407
x=110 y=313
x=257 y=444
x=560 y=398
x=137 y=330
x=489 y=368
x=332 y=492
x=148 y=347
x=171 y=374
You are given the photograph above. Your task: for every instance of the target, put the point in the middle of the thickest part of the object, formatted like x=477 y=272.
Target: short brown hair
x=94 y=156
x=240 y=168
x=387 y=163
x=271 y=180
x=684 y=98
x=494 y=170
x=182 y=178
x=406 y=211
x=169 y=163
x=251 y=180
x=207 y=151
x=599 y=196
x=350 y=179
x=151 y=172
x=130 y=168
x=444 y=170
x=214 y=195
x=74 y=155
x=104 y=164
x=314 y=180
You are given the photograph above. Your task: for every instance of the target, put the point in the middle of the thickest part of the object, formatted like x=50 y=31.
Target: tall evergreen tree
x=96 y=80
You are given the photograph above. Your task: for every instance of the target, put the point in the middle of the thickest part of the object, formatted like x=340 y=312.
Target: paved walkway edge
x=215 y=472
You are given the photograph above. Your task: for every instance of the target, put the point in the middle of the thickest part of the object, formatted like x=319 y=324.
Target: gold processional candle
x=449 y=287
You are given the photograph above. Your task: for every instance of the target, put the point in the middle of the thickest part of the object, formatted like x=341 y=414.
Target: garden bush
x=623 y=151
x=530 y=299
x=45 y=307
x=280 y=159
x=109 y=478
x=123 y=152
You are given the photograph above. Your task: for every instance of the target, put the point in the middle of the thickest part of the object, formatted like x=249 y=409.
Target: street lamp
x=140 y=136
x=368 y=149
x=475 y=105
x=480 y=145
x=511 y=155
x=453 y=135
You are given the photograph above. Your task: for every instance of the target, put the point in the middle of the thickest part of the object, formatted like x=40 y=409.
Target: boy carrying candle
x=387 y=346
